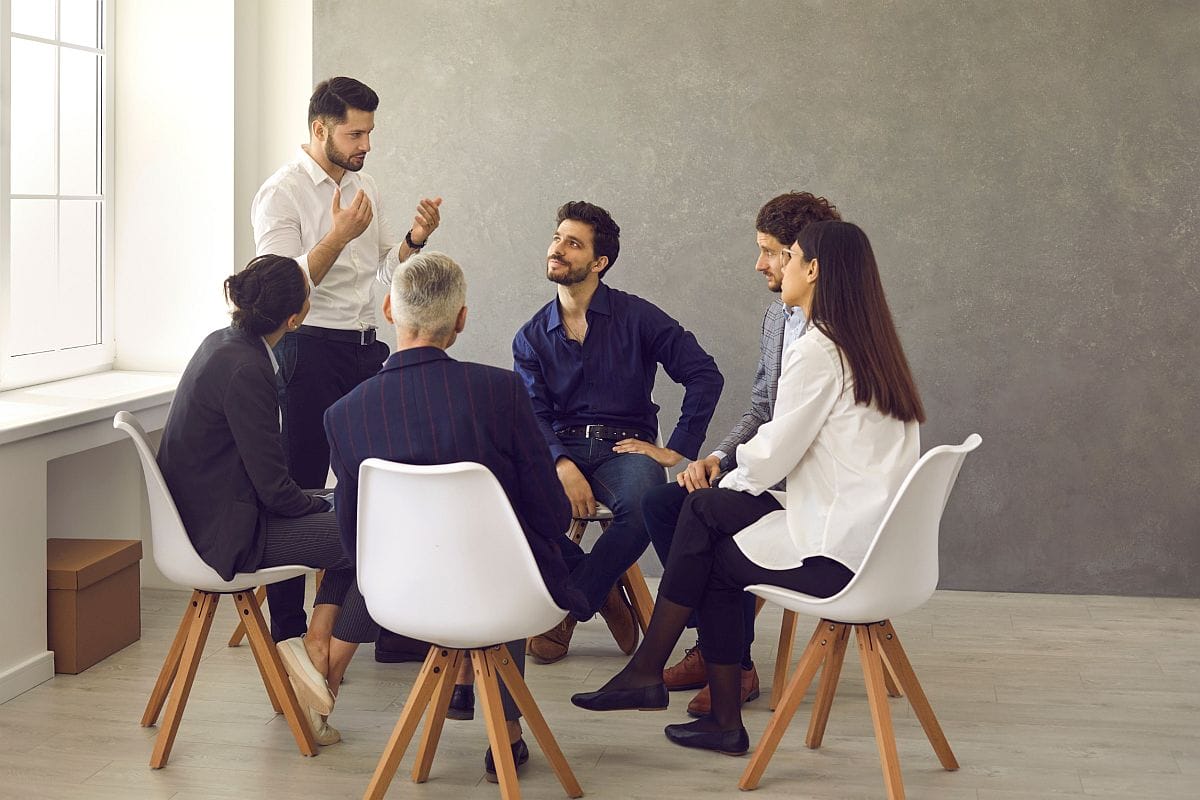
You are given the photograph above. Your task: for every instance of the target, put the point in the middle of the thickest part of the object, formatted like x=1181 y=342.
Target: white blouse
x=843 y=463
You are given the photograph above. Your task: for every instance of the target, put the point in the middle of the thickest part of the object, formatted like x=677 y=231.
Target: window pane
x=33 y=17
x=34 y=282
x=33 y=117
x=78 y=272
x=79 y=147
x=79 y=22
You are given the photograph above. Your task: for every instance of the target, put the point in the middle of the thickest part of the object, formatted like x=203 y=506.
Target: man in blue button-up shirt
x=588 y=359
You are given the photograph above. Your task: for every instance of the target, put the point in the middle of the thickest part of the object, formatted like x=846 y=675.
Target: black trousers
x=314 y=373
x=661 y=507
x=707 y=571
x=314 y=541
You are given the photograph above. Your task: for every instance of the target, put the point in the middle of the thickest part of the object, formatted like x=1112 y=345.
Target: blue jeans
x=618 y=480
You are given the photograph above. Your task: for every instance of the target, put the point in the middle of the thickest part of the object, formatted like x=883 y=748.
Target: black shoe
x=462 y=703
x=520 y=753
x=730 y=743
x=645 y=698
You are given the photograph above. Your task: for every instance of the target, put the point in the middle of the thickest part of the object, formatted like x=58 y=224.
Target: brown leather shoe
x=552 y=645
x=688 y=673
x=618 y=614
x=702 y=703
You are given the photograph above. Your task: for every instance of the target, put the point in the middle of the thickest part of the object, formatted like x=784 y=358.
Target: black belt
x=363 y=337
x=607 y=433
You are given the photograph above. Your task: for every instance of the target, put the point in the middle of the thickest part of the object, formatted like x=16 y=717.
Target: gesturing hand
x=351 y=221
x=665 y=456
x=699 y=474
x=426 y=220
x=579 y=492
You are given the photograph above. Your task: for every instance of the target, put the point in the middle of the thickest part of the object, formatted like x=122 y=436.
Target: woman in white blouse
x=844 y=435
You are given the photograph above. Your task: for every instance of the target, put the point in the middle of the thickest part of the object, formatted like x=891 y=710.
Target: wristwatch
x=411 y=244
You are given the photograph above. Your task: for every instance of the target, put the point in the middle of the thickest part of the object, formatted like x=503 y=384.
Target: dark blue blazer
x=426 y=408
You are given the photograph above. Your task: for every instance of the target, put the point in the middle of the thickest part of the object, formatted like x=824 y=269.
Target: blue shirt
x=609 y=378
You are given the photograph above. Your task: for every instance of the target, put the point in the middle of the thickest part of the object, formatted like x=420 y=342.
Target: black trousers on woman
x=707 y=571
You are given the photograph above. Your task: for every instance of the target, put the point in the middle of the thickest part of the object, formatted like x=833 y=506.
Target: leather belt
x=363 y=337
x=607 y=433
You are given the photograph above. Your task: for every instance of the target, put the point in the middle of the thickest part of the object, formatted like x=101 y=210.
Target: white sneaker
x=310 y=685
x=323 y=732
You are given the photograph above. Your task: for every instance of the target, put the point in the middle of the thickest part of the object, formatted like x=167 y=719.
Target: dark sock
x=646 y=666
x=725 y=683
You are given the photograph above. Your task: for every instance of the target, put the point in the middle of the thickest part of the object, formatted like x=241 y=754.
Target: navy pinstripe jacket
x=426 y=408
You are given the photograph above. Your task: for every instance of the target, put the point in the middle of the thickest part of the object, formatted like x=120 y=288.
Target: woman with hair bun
x=222 y=458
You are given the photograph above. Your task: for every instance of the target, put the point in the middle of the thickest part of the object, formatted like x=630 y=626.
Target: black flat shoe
x=462 y=703
x=730 y=743
x=645 y=698
x=520 y=752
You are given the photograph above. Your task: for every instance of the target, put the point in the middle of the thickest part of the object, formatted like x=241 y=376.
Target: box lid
x=78 y=563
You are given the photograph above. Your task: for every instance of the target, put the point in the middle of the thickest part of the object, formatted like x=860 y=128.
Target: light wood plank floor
x=1041 y=697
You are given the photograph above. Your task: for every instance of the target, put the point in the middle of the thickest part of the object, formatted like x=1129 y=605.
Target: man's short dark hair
x=606 y=234
x=786 y=215
x=331 y=98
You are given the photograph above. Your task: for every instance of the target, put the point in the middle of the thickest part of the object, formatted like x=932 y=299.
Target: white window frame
x=26 y=370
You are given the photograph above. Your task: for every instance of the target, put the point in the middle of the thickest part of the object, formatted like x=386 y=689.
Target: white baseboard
x=26 y=675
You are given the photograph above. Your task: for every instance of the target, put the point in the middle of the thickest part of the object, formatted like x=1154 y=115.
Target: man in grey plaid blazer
x=778 y=224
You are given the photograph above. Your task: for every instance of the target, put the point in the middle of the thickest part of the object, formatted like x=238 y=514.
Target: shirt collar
x=318 y=175
x=601 y=303
x=413 y=356
x=271 y=354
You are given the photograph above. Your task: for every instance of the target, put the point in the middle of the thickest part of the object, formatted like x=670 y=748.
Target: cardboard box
x=94 y=599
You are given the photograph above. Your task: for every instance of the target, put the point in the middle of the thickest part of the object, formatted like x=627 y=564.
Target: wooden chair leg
x=759 y=602
x=881 y=715
x=435 y=719
x=889 y=677
x=488 y=687
x=895 y=656
x=201 y=616
x=502 y=664
x=166 y=676
x=262 y=673
x=639 y=595
x=436 y=662
x=806 y=668
x=239 y=632
x=275 y=678
x=839 y=637
x=783 y=654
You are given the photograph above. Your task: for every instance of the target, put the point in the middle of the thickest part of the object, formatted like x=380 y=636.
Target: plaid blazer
x=764 y=389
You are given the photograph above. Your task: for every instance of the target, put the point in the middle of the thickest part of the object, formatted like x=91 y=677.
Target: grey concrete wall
x=1027 y=172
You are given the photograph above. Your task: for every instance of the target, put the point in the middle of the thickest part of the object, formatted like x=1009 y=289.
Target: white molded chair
x=442 y=558
x=899 y=573
x=177 y=559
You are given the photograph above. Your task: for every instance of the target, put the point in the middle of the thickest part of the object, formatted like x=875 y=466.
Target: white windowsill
x=48 y=407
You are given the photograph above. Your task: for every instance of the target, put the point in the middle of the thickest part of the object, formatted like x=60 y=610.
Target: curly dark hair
x=268 y=291
x=786 y=215
x=606 y=233
x=332 y=97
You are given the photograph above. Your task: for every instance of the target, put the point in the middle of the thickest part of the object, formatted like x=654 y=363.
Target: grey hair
x=427 y=292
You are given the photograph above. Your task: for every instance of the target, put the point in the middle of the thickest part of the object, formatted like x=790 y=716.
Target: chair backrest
x=442 y=558
x=174 y=554
x=900 y=571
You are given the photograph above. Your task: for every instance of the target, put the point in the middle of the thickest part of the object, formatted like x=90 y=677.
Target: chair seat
x=845 y=606
x=603 y=514
x=249 y=580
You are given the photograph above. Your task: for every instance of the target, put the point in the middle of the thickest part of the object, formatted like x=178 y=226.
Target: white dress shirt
x=291 y=213
x=843 y=463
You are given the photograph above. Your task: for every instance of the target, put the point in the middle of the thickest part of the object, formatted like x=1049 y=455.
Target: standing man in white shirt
x=321 y=210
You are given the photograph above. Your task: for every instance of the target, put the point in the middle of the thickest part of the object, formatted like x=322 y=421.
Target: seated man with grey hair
x=424 y=407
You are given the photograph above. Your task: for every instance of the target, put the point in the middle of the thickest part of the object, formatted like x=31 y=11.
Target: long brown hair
x=850 y=308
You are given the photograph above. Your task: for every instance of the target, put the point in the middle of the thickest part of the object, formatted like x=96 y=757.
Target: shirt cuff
x=303 y=262
x=686 y=444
